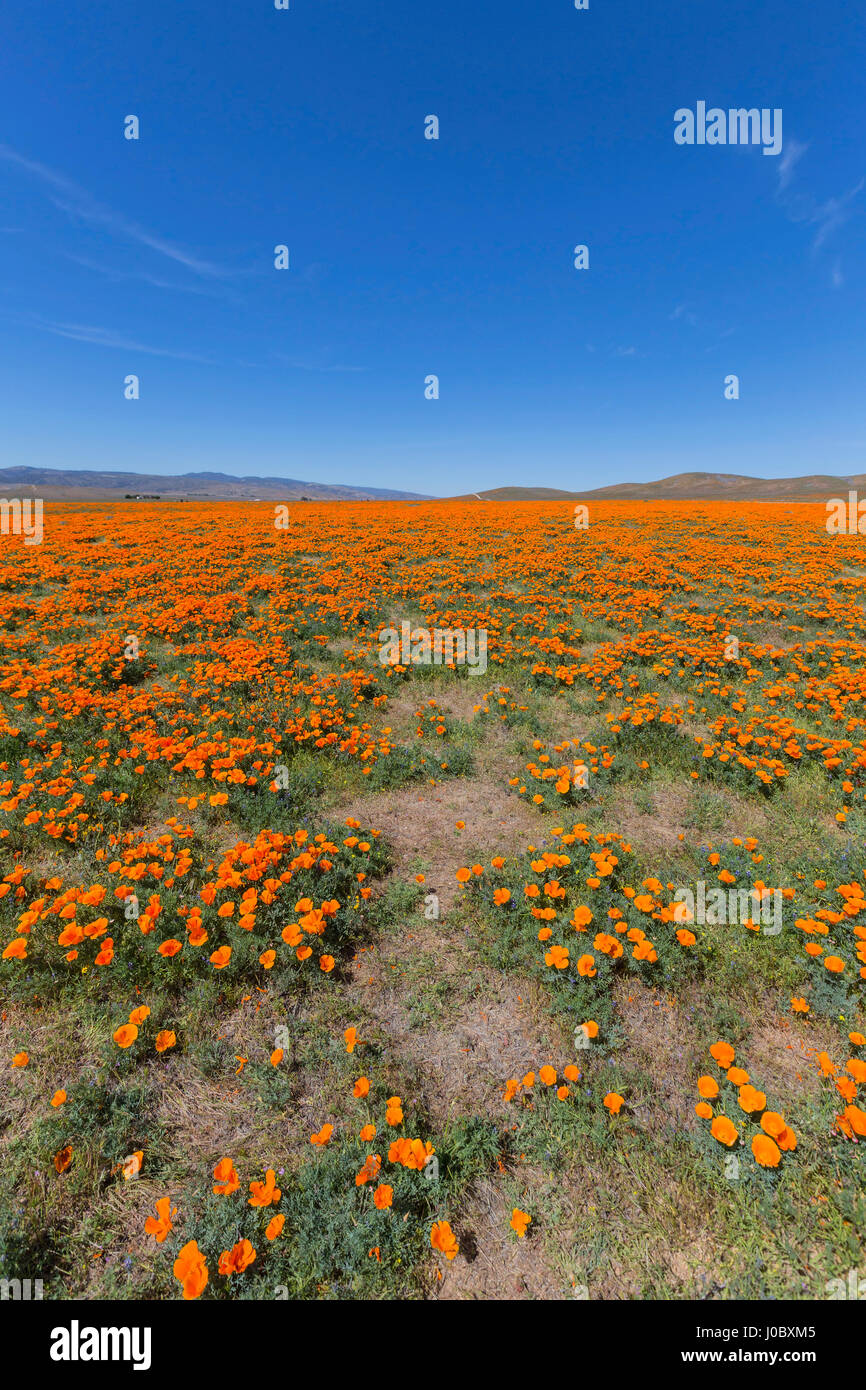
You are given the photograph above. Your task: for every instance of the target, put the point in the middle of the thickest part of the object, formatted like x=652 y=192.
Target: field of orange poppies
x=331 y=977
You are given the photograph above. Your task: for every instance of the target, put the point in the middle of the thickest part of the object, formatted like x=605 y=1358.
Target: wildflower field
x=325 y=978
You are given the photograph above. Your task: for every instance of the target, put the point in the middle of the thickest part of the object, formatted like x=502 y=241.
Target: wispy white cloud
x=108 y=338
x=830 y=216
x=337 y=367
x=112 y=273
x=317 y=366
x=791 y=155
x=76 y=202
x=726 y=333
x=802 y=206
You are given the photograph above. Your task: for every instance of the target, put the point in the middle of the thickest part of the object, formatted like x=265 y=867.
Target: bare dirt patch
x=493 y=1263
x=419 y=823
x=463 y=1027
x=782 y=1056
x=651 y=832
x=660 y=1043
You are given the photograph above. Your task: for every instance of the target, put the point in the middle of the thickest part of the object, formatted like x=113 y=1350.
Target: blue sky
x=412 y=257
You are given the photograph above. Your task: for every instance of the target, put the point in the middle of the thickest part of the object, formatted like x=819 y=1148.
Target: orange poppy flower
x=557 y=957
x=443 y=1238
x=766 y=1151
x=737 y=1076
x=722 y=1053
x=190 y=1269
x=236 y=1260
x=160 y=1225
x=131 y=1167
x=369 y=1171
x=723 y=1130
x=750 y=1099
x=519 y=1221
x=264 y=1193
x=227 y=1180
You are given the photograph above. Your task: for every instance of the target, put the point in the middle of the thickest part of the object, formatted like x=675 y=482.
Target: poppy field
x=324 y=976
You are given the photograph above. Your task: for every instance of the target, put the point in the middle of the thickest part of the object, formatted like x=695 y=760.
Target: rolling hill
x=683 y=487
x=69 y=483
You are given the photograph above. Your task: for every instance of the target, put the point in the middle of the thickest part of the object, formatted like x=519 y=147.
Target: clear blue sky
x=411 y=257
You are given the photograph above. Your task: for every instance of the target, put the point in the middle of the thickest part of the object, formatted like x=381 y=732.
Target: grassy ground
x=255 y=718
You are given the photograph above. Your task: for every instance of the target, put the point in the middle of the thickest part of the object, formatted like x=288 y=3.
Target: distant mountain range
x=61 y=483
x=68 y=483
x=683 y=487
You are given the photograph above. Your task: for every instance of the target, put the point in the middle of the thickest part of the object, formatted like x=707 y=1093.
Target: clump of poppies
x=738 y=1113
x=367 y=1205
